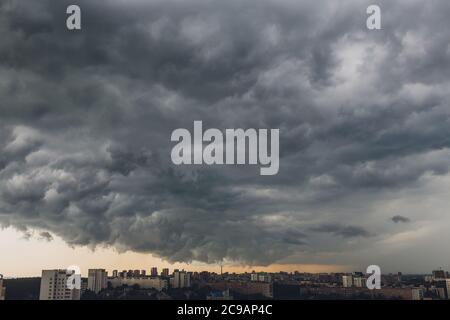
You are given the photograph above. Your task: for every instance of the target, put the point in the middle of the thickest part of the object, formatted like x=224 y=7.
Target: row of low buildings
x=356 y=280
x=438 y=286
x=179 y=279
x=246 y=288
x=260 y=277
x=140 y=273
x=438 y=289
x=54 y=283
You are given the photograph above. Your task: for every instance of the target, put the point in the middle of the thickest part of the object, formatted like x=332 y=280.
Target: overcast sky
x=364 y=119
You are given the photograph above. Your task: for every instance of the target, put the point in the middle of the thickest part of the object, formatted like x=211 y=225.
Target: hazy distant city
x=165 y=284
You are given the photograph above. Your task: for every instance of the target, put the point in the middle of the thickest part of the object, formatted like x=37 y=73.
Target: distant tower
x=165 y=272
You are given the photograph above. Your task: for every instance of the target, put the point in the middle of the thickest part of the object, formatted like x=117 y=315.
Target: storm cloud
x=343 y=231
x=398 y=219
x=86 y=118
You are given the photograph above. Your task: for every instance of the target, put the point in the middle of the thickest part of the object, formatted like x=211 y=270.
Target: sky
x=86 y=118
x=56 y=254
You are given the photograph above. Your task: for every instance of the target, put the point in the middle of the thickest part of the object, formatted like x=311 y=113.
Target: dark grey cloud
x=86 y=118
x=399 y=218
x=343 y=231
x=46 y=236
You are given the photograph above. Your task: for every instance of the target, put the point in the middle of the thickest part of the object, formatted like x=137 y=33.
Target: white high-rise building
x=54 y=286
x=181 y=279
x=97 y=280
x=347 y=281
x=2 y=289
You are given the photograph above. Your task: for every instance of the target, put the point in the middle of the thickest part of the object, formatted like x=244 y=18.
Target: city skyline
x=63 y=284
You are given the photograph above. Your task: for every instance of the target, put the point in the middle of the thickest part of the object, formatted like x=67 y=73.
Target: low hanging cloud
x=398 y=219
x=343 y=231
x=46 y=236
x=86 y=118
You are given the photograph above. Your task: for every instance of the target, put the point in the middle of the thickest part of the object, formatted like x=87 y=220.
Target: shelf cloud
x=86 y=118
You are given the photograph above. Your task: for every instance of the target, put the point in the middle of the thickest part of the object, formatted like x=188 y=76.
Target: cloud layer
x=86 y=118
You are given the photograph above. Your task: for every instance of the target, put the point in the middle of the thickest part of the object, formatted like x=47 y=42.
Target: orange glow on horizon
x=23 y=257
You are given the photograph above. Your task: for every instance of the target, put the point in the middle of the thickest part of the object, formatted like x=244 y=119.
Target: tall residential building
x=54 y=286
x=181 y=279
x=165 y=272
x=143 y=273
x=347 y=281
x=359 y=282
x=115 y=274
x=2 y=289
x=154 y=272
x=136 y=273
x=97 y=280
